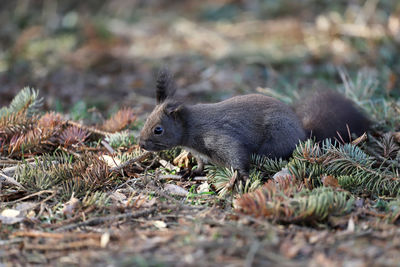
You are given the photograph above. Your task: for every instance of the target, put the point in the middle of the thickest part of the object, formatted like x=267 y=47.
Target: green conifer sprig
x=120 y=139
x=266 y=165
x=79 y=176
x=98 y=198
x=26 y=102
x=350 y=161
x=306 y=163
x=43 y=173
x=347 y=159
x=304 y=206
x=355 y=170
x=221 y=177
x=16 y=123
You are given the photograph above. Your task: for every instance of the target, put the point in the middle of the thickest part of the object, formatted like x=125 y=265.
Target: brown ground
x=104 y=55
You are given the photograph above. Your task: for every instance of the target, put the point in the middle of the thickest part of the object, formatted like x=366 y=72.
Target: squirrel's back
x=328 y=114
x=261 y=124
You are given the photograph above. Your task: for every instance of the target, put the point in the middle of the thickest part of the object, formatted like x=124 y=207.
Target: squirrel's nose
x=142 y=144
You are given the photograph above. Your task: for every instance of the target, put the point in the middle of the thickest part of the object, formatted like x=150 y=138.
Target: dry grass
x=68 y=195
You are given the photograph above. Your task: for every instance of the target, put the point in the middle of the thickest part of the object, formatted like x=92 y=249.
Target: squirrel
x=227 y=133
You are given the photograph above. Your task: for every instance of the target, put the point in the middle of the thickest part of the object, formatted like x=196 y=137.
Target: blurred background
x=100 y=55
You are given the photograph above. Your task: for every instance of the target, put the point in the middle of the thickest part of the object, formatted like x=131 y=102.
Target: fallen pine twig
x=178 y=177
x=11 y=241
x=64 y=246
x=129 y=162
x=89 y=129
x=9 y=171
x=374 y=31
x=56 y=235
x=70 y=220
x=69 y=151
x=162 y=193
x=180 y=207
x=108 y=147
x=381 y=158
x=33 y=195
x=373 y=213
x=395 y=217
x=9 y=180
x=6 y=162
x=99 y=220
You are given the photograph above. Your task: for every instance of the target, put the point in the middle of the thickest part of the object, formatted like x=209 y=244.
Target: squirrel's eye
x=158 y=130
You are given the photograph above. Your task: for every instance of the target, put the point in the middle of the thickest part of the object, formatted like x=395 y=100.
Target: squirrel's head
x=164 y=127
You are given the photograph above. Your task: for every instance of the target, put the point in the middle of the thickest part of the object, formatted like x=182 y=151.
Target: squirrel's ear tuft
x=165 y=85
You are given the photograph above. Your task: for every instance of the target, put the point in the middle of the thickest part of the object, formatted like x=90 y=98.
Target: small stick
x=163 y=194
x=108 y=147
x=10 y=241
x=89 y=129
x=370 y=212
x=68 y=151
x=384 y=160
x=70 y=220
x=129 y=162
x=10 y=180
x=178 y=177
x=55 y=235
x=64 y=246
x=5 y=162
x=9 y=171
x=99 y=220
x=32 y=195
x=360 y=139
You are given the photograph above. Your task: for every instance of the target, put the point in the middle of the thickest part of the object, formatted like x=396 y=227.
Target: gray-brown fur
x=165 y=85
x=226 y=133
x=327 y=114
x=229 y=132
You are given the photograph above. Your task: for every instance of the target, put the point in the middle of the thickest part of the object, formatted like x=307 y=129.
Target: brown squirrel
x=227 y=133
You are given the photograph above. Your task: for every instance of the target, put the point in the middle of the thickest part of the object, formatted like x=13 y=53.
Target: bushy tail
x=328 y=114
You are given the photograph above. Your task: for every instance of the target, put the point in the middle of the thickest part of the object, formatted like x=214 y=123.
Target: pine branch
x=26 y=101
x=120 y=120
x=303 y=206
x=221 y=178
x=120 y=139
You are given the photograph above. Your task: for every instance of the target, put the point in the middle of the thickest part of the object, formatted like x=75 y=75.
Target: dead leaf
x=118 y=197
x=183 y=159
x=160 y=224
x=321 y=259
x=24 y=207
x=9 y=180
x=111 y=161
x=204 y=187
x=142 y=201
x=70 y=206
x=350 y=225
x=119 y=120
x=396 y=137
x=289 y=249
x=176 y=190
x=105 y=239
x=282 y=174
x=360 y=139
x=150 y=203
x=10 y=213
x=11 y=216
x=168 y=165
x=318 y=237
x=330 y=181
